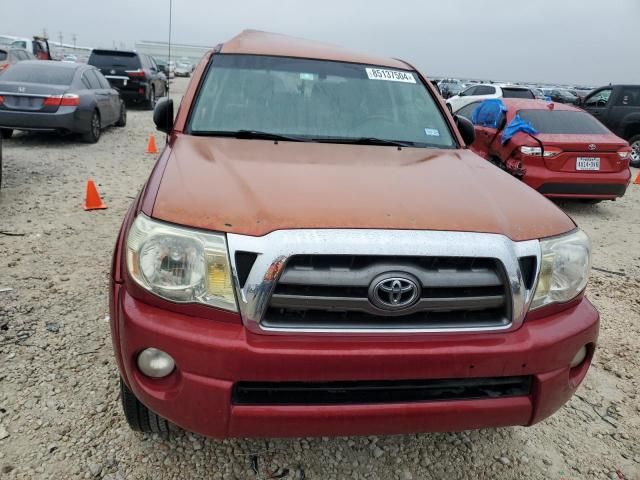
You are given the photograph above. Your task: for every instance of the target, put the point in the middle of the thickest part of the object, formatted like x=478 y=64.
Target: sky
x=589 y=42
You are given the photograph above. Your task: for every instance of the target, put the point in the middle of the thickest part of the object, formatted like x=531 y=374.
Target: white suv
x=488 y=90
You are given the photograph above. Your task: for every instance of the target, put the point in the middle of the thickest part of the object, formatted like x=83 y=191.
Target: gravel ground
x=60 y=415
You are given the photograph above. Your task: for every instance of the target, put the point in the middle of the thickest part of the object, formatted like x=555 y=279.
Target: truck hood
x=254 y=187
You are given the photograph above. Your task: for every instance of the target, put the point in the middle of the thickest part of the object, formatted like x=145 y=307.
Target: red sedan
x=557 y=149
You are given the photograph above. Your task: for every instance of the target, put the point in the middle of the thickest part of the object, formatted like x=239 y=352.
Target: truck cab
x=618 y=108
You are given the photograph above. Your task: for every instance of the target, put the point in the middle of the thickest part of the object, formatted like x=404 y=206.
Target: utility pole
x=74 y=37
x=60 y=38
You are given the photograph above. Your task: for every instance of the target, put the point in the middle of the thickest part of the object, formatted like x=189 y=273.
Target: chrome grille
x=332 y=292
x=345 y=258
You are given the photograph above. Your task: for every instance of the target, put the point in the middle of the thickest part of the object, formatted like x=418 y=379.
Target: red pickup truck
x=317 y=252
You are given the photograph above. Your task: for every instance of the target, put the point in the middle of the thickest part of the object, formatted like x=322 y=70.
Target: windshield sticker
x=432 y=132
x=306 y=76
x=390 y=75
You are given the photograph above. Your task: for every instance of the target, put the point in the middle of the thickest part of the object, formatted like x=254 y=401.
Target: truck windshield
x=317 y=100
x=563 y=122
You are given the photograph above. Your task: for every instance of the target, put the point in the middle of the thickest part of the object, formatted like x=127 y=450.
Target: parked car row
x=56 y=96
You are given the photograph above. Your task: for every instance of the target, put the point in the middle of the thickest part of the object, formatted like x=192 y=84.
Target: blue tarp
x=489 y=113
x=517 y=125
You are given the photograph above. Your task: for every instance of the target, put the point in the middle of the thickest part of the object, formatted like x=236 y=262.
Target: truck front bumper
x=211 y=357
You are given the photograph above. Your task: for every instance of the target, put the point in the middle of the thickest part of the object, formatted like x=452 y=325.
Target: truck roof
x=264 y=43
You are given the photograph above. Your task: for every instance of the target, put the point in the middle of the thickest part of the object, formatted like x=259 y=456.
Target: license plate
x=587 y=163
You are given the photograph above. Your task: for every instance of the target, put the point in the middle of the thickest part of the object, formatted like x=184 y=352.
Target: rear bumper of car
x=212 y=357
x=596 y=185
x=65 y=119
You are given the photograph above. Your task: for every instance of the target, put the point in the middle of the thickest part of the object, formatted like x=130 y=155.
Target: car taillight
x=623 y=153
x=1 y=99
x=66 y=100
x=549 y=152
x=70 y=100
x=135 y=73
x=3 y=66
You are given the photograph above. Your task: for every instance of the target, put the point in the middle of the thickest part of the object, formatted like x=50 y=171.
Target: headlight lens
x=180 y=264
x=564 y=269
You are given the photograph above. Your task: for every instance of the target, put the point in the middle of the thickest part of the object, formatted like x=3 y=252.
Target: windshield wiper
x=366 y=141
x=250 y=134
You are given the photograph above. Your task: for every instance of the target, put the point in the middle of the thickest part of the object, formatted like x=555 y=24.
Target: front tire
x=6 y=132
x=635 y=151
x=95 y=129
x=139 y=417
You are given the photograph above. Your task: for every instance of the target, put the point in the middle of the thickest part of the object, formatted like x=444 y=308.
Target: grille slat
x=364 y=305
x=362 y=277
x=376 y=392
x=332 y=292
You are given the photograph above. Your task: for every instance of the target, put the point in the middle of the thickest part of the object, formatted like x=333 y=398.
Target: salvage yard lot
x=60 y=415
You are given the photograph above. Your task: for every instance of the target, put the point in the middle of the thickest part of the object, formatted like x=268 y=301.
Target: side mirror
x=163 y=115
x=466 y=129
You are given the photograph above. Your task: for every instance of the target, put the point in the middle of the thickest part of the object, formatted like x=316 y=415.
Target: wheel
x=122 y=120
x=95 y=129
x=635 y=151
x=6 y=132
x=150 y=102
x=139 y=417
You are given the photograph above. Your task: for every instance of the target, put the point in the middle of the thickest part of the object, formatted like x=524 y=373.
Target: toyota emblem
x=592 y=146
x=394 y=291
x=22 y=89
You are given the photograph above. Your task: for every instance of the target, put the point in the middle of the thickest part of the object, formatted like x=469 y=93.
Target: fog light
x=579 y=357
x=155 y=363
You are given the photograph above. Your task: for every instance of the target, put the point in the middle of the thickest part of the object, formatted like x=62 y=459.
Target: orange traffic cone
x=93 y=200
x=637 y=182
x=151 y=145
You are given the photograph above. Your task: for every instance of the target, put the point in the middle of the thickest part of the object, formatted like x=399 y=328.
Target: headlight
x=564 y=269
x=180 y=264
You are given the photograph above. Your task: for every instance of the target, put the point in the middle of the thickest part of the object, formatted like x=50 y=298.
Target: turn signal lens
x=66 y=100
x=135 y=73
x=624 y=154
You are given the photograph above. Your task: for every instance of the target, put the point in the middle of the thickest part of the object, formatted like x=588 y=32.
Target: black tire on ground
x=139 y=417
x=122 y=119
x=635 y=154
x=95 y=129
x=150 y=101
x=592 y=201
x=6 y=132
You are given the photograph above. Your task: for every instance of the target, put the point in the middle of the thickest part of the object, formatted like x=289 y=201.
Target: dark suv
x=134 y=74
x=618 y=107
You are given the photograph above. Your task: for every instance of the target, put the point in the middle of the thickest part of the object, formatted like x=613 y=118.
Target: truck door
x=598 y=103
x=624 y=110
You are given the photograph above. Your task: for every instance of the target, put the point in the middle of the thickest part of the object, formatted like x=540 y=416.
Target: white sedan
x=484 y=91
